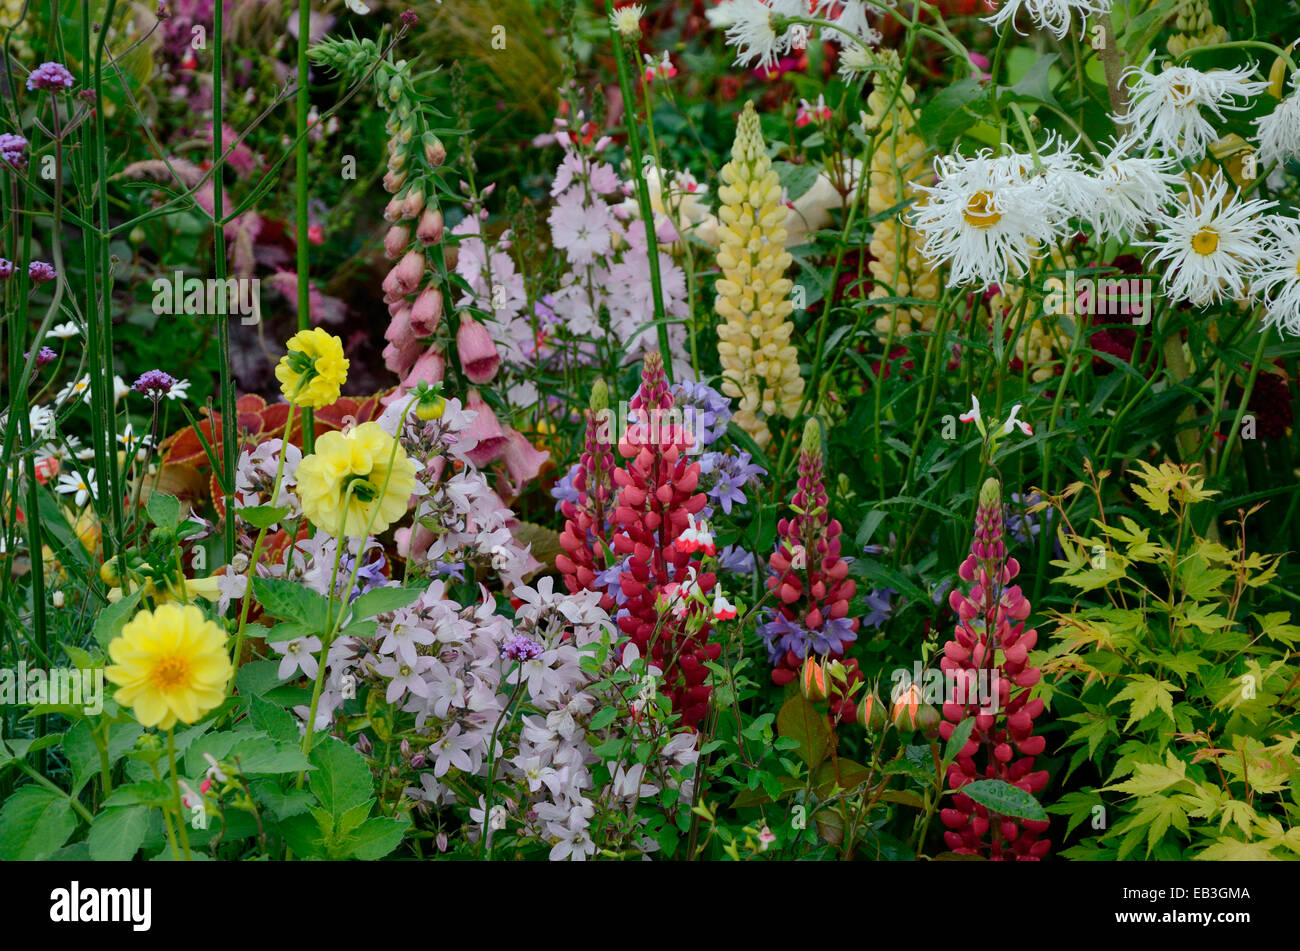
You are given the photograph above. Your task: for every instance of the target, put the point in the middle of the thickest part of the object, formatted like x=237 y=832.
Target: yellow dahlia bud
x=760 y=367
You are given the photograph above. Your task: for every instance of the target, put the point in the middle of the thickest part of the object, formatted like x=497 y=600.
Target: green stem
x=643 y=199
x=300 y=202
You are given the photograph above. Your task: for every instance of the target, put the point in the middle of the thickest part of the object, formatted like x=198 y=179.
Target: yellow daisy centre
x=1297 y=266
x=170 y=671
x=979 y=212
x=1205 y=241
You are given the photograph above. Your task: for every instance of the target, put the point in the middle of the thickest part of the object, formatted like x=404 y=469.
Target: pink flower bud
x=396 y=240
x=426 y=313
x=406 y=275
x=413 y=203
x=394 y=180
x=478 y=354
x=430 y=228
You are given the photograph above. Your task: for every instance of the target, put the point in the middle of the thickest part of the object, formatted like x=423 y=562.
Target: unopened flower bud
x=430 y=227
x=435 y=153
x=396 y=240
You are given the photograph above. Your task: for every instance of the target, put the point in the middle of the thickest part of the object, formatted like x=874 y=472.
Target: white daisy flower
x=180 y=390
x=1210 y=245
x=849 y=16
x=1279 y=131
x=120 y=389
x=41 y=419
x=1277 y=278
x=1166 y=106
x=85 y=454
x=1066 y=181
x=80 y=389
x=985 y=218
x=627 y=20
x=78 y=486
x=63 y=331
x=356 y=6
x=1134 y=190
x=132 y=443
x=750 y=26
x=1050 y=15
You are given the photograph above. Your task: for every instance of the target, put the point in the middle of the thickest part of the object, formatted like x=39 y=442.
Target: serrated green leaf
x=118 y=833
x=34 y=822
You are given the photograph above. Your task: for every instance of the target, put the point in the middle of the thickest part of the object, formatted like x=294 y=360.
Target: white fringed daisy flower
x=1277 y=278
x=1166 y=106
x=1210 y=246
x=1279 y=131
x=750 y=27
x=1051 y=15
x=985 y=218
x=1134 y=190
x=627 y=20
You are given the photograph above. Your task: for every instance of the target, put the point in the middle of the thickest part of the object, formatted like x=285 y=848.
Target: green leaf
x=796 y=179
x=164 y=510
x=800 y=721
x=263 y=516
x=960 y=736
x=273 y=719
x=118 y=833
x=257 y=677
x=153 y=792
x=1036 y=84
x=953 y=110
x=34 y=822
x=341 y=780
x=382 y=600
x=376 y=837
x=1146 y=693
x=1004 y=799
x=113 y=618
x=290 y=601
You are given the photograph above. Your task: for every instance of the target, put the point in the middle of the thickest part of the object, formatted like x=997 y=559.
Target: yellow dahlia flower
x=759 y=365
x=170 y=664
x=354 y=468
x=897 y=164
x=311 y=373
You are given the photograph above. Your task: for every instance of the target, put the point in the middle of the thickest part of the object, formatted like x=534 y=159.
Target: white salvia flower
x=985 y=218
x=750 y=27
x=1050 y=15
x=1211 y=245
x=1277 y=278
x=1166 y=106
x=1134 y=190
x=627 y=20
x=1279 y=131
